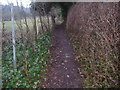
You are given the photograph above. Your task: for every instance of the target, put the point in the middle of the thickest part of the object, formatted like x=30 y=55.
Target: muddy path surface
x=63 y=71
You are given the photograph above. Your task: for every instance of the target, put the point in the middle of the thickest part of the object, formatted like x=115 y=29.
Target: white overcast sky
x=27 y=2
x=24 y=2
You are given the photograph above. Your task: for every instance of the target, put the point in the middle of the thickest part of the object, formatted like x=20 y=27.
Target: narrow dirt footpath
x=63 y=71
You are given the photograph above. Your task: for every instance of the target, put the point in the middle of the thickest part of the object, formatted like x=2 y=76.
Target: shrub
x=93 y=30
x=29 y=70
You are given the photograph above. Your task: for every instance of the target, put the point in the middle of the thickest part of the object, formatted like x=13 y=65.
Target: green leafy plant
x=30 y=70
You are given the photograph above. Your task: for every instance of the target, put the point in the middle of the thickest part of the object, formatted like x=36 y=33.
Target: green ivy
x=36 y=59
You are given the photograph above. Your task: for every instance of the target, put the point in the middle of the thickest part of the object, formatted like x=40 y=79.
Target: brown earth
x=63 y=71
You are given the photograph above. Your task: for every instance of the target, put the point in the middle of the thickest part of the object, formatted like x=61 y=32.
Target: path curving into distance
x=63 y=71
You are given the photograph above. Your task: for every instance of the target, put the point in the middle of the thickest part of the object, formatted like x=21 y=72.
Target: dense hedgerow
x=93 y=30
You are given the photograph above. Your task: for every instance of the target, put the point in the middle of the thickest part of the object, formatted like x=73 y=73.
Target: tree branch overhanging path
x=63 y=71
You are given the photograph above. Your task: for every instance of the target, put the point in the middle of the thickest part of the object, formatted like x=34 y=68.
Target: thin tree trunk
x=19 y=23
x=3 y=34
x=35 y=29
x=25 y=19
x=46 y=26
x=53 y=21
x=41 y=23
x=21 y=29
x=48 y=21
x=13 y=37
x=27 y=27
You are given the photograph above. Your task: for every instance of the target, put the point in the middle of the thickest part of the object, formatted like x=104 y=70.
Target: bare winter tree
x=19 y=22
x=39 y=8
x=34 y=23
x=25 y=20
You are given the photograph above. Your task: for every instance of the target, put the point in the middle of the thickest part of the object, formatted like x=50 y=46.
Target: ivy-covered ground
x=31 y=63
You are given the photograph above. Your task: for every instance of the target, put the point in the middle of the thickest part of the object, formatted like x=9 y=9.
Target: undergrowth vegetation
x=93 y=30
x=31 y=63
